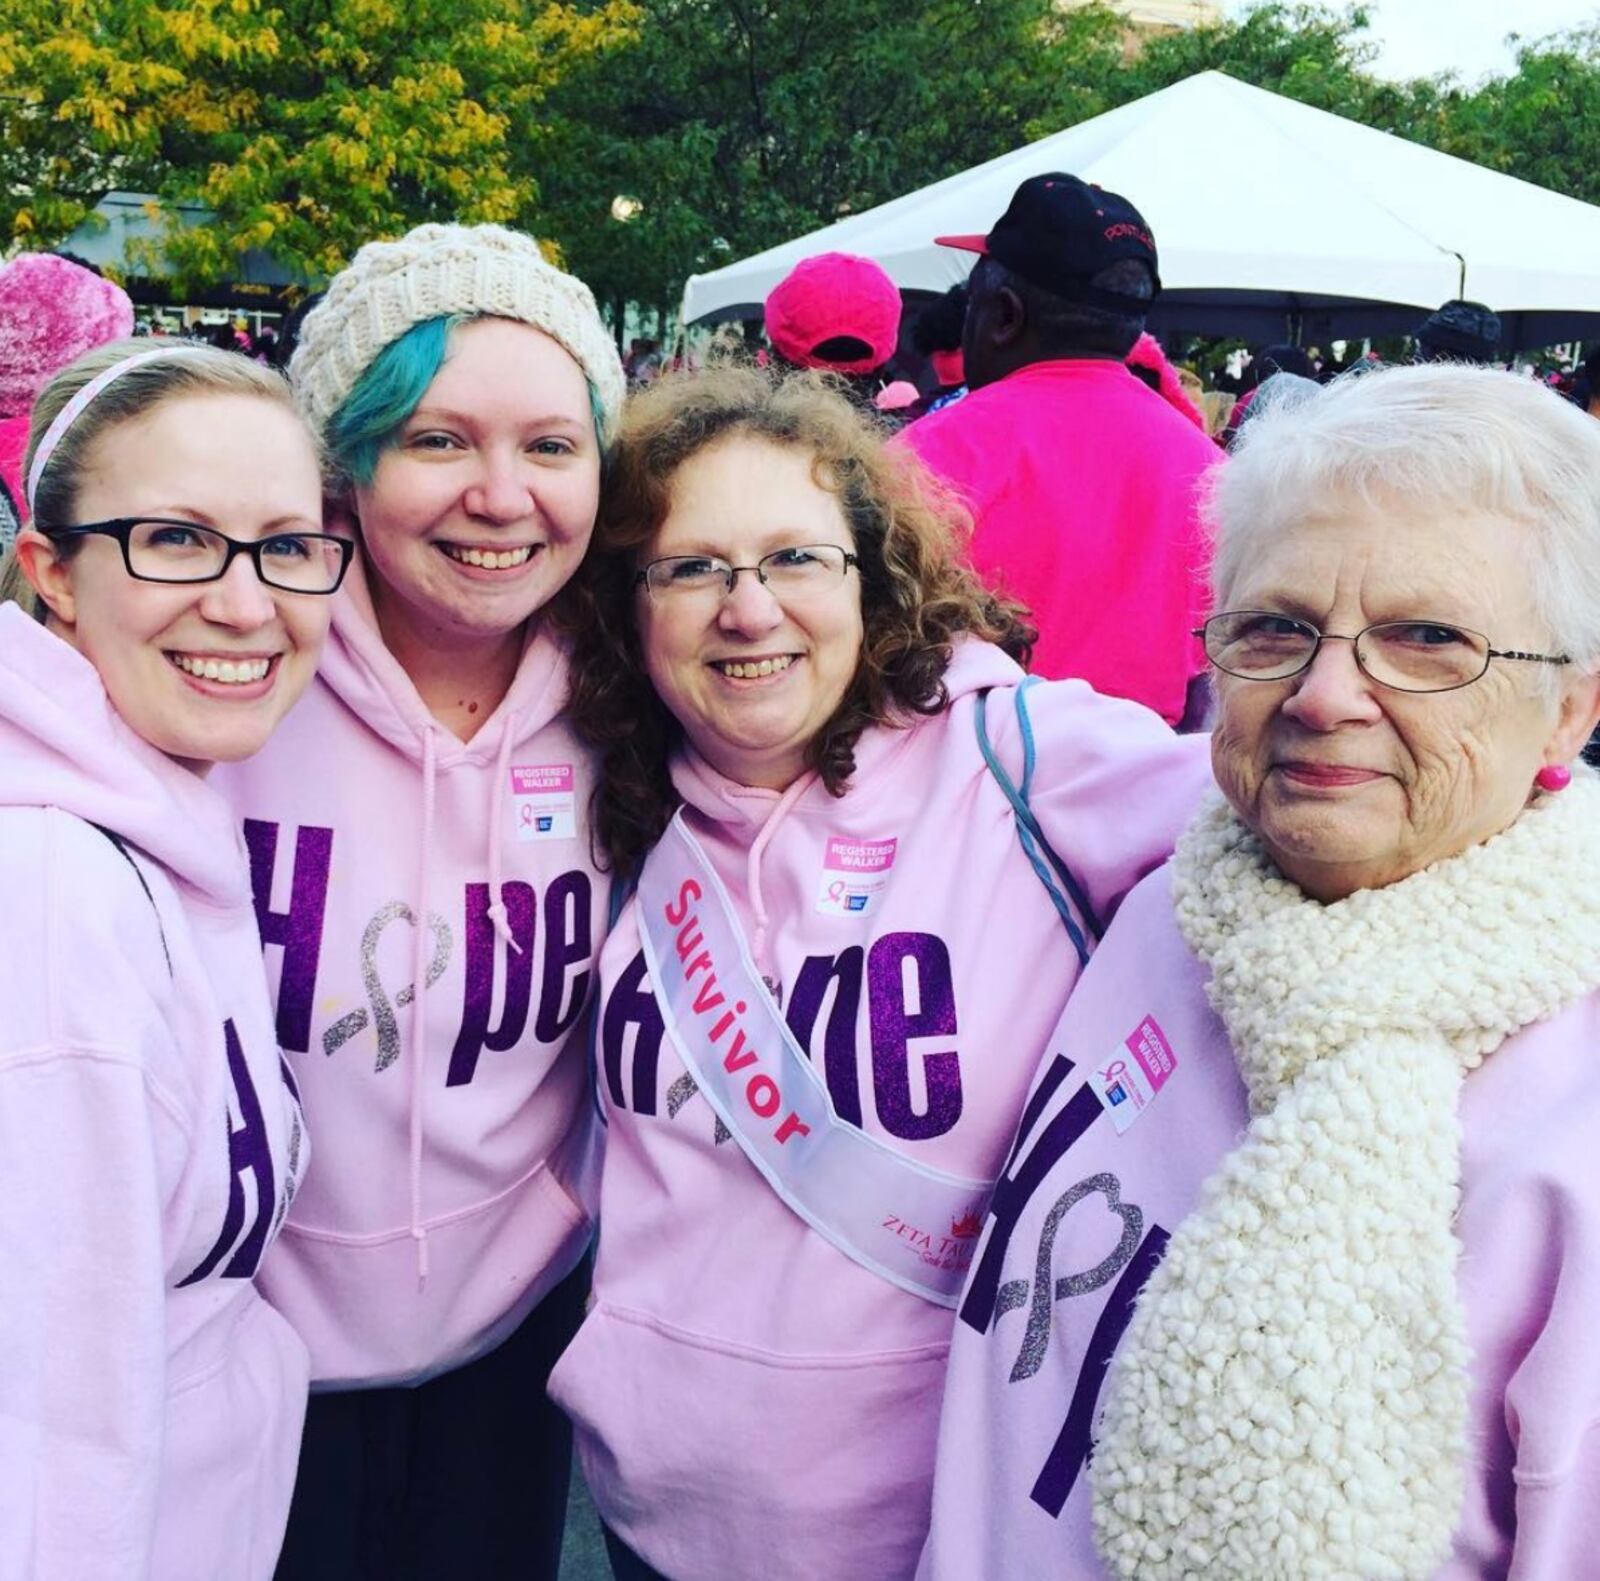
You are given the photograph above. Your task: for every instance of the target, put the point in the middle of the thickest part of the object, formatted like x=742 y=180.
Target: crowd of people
x=964 y=978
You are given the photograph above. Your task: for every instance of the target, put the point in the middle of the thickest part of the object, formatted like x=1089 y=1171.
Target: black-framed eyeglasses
x=158 y=550
x=1404 y=655
x=801 y=571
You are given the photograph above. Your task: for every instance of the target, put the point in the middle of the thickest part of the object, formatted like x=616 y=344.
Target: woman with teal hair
x=431 y=911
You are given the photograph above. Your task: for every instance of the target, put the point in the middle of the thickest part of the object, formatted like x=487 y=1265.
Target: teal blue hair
x=390 y=389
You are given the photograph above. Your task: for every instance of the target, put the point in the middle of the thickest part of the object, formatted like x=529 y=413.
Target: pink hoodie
x=150 y=1400
x=1092 y=1208
x=442 y=1205
x=1147 y=353
x=1084 y=489
x=749 y=1401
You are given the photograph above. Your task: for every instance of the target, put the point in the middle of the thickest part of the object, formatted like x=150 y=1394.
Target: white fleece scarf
x=1290 y=1401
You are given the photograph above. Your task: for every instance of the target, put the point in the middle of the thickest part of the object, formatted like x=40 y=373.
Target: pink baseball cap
x=831 y=297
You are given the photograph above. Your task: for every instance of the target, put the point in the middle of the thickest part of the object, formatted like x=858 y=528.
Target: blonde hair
x=202 y=370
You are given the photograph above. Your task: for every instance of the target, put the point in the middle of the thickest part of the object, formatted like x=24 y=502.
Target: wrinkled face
x=245 y=466
x=1352 y=785
x=482 y=509
x=750 y=677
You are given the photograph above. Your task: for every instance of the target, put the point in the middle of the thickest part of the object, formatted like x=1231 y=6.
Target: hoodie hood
x=748 y=817
x=370 y=681
x=63 y=745
x=974 y=666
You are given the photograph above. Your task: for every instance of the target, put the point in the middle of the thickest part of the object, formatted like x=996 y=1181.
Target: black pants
x=626 y=1565
x=461 y=1479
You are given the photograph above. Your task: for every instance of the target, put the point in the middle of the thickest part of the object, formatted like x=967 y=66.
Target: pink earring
x=1553 y=777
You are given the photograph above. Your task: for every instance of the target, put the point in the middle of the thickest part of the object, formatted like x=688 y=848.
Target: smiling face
x=482 y=509
x=750 y=679
x=1351 y=785
x=246 y=467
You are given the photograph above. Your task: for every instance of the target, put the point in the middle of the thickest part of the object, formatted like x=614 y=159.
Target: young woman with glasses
x=165 y=608
x=820 y=1011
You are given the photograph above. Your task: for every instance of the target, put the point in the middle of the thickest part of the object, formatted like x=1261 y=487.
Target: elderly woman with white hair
x=1295 y=1270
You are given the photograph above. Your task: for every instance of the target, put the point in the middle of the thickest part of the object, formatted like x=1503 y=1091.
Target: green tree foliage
x=1542 y=122
x=1305 y=52
x=724 y=126
x=307 y=126
x=734 y=124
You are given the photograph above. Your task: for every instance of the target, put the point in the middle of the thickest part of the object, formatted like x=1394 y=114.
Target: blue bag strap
x=1052 y=872
x=1080 y=898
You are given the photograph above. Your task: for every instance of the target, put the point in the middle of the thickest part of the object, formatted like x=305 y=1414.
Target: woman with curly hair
x=820 y=1008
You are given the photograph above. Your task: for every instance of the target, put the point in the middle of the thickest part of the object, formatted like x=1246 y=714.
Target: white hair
x=1443 y=437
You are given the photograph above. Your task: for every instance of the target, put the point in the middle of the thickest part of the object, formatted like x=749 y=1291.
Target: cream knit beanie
x=436 y=270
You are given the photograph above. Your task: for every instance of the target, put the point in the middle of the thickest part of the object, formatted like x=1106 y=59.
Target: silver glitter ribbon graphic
x=679 y=1093
x=1047 y=1290
x=382 y=1016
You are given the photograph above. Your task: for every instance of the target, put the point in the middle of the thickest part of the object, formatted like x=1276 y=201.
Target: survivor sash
x=909 y=1224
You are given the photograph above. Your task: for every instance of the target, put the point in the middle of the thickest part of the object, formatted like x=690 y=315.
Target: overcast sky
x=1420 y=37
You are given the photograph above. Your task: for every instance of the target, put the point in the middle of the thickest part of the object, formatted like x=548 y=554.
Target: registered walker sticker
x=1128 y=1082
x=543 y=803
x=854 y=874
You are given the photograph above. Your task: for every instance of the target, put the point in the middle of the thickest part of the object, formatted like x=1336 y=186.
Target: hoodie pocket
x=228 y=1465
x=717 y=1459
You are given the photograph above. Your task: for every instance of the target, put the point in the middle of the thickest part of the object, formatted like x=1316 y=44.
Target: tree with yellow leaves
x=306 y=126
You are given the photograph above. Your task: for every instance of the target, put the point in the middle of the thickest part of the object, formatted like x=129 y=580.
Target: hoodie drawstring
x=419 y=980
x=758 y=848
x=497 y=801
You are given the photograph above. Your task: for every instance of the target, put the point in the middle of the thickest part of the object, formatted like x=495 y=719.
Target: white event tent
x=1271 y=218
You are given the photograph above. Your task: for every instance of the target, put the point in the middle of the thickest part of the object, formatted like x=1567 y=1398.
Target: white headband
x=73 y=410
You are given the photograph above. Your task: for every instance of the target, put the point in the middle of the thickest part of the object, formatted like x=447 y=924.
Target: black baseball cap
x=1059 y=232
x=1462 y=329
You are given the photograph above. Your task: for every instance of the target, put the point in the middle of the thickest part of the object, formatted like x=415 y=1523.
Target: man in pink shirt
x=1081 y=480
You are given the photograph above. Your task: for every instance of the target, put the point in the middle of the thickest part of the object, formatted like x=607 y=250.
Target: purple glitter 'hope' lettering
x=827 y=989
x=1022 y=1177
x=894 y=1024
x=567 y=917
x=249 y=1153
x=482 y=951
x=839 y=1036
x=568 y=904
x=1070 y=1452
x=299 y=929
x=632 y=1004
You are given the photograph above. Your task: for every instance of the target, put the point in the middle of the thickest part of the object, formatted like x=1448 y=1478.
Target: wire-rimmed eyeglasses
x=800 y=571
x=158 y=550
x=1404 y=655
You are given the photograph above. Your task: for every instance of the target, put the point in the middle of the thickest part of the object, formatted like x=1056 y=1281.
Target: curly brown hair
x=917 y=595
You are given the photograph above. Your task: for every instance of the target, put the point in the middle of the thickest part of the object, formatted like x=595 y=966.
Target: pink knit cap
x=828 y=296
x=51 y=312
